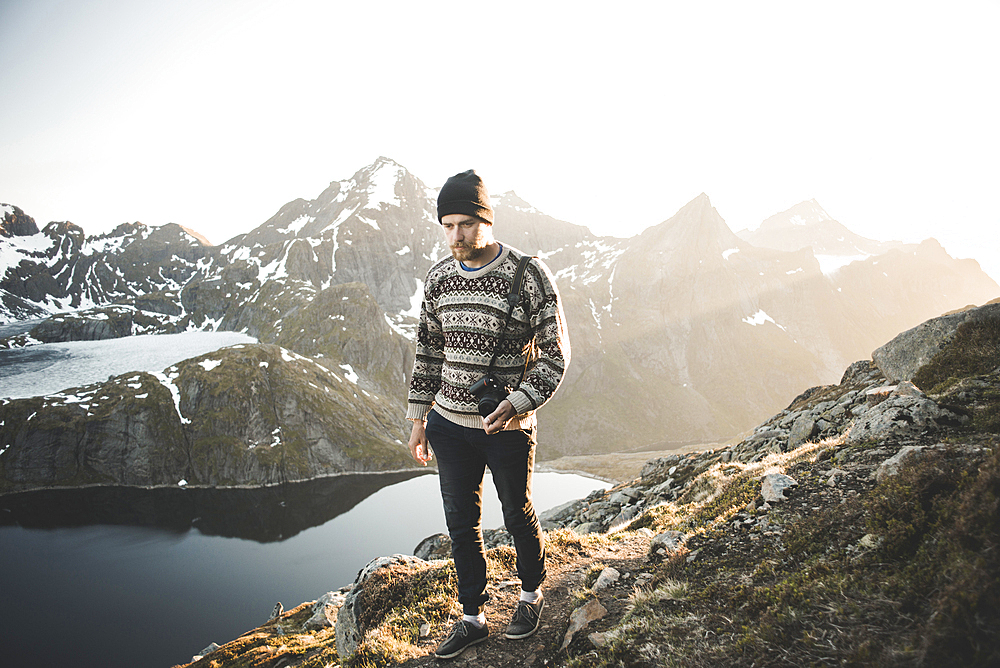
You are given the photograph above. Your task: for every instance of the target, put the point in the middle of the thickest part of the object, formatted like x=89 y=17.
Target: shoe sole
x=533 y=631
x=454 y=654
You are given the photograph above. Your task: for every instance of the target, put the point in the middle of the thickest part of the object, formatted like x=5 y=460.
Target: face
x=468 y=236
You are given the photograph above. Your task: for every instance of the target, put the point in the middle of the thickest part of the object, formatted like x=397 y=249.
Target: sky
x=214 y=113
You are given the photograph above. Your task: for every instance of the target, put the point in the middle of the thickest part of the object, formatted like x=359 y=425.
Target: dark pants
x=462 y=456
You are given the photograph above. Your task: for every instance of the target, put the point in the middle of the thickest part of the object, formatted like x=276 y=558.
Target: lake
x=117 y=577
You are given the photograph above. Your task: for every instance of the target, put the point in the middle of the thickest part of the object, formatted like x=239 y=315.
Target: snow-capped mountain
x=807 y=225
x=686 y=332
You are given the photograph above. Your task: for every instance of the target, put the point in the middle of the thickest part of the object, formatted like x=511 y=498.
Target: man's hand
x=495 y=421
x=420 y=449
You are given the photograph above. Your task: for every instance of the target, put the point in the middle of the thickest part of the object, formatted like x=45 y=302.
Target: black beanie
x=465 y=193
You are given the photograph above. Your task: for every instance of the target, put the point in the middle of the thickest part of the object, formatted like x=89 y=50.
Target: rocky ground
x=860 y=526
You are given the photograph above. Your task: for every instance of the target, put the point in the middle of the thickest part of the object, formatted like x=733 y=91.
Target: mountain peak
x=802 y=214
x=14 y=222
x=696 y=230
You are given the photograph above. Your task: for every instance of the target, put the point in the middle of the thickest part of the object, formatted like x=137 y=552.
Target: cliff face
x=246 y=415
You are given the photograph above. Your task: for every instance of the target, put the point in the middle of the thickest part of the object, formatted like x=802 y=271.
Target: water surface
x=124 y=577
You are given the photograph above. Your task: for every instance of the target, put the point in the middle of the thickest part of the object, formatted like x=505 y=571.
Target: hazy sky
x=214 y=113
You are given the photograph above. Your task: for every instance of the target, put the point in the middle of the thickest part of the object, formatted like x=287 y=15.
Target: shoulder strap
x=515 y=286
x=512 y=299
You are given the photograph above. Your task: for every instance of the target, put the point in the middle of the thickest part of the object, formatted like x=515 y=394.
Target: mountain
x=245 y=415
x=684 y=333
x=807 y=225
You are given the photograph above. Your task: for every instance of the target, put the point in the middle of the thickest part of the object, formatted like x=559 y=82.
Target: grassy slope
x=847 y=571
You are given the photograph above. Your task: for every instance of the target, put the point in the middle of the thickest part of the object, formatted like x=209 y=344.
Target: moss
x=278 y=642
x=975 y=349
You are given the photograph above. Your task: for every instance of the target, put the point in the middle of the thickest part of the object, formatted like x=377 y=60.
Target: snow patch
x=296 y=225
x=349 y=373
x=831 y=264
x=416 y=300
x=727 y=253
x=382 y=189
x=758 y=318
x=167 y=379
x=208 y=365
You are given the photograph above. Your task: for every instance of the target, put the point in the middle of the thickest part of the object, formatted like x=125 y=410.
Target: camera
x=489 y=392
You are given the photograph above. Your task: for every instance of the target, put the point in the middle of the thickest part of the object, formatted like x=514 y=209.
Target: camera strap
x=512 y=299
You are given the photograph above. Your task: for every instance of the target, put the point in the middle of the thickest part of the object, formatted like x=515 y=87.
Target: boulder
x=668 y=541
x=901 y=358
x=349 y=633
x=773 y=486
x=437 y=546
x=906 y=411
x=608 y=577
x=891 y=466
x=325 y=611
x=802 y=430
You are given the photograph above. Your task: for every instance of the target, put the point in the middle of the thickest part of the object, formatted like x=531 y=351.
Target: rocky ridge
x=877 y=549
x=244 y=415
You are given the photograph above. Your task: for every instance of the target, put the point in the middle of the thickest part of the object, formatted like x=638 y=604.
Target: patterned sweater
x=460 y=321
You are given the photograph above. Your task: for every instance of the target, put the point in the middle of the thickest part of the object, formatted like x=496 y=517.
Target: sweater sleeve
x=425 y=380
x=551 y=349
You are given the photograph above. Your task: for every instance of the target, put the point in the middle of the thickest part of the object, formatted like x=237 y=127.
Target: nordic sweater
x=460 y=322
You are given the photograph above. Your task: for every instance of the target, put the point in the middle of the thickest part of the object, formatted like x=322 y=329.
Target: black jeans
x=463 y=455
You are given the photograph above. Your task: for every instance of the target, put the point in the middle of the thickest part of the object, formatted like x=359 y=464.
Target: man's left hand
x=495 y=421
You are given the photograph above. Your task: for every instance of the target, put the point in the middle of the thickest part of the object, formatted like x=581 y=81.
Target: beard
x=465 y=252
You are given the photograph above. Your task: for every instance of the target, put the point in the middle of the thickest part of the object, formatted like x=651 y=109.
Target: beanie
x=465 y=193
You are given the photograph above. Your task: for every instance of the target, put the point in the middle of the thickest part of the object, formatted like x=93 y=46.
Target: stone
x=624 y=517
x=620 y=499
x=208 y=650
x=325 y=611
x=668 y=541
x=654 y=468
x=905 y=411
x=276 y=612
x=437 y=546
x=773 y=486
x=608 y=577
x=561 y=512
x=589 y=612
x=588 y=527
x=802 y=430
x=835 y=475
x=891 y=466
x=869 y=541
x=598 y=639
x=349 y=633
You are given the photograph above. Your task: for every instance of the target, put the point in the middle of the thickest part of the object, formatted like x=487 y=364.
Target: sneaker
x=463 y=634
x=526 y=619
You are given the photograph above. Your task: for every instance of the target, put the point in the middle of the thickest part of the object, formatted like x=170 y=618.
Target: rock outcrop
x=901 y=358
x=245 y=415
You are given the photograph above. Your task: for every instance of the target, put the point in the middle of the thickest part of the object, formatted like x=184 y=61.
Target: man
x=464 y=309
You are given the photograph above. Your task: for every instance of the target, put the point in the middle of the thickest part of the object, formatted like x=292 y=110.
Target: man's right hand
x=420 y=449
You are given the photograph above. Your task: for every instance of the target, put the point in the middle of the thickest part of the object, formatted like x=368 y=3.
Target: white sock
x=531 y=596
x=478 y=620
